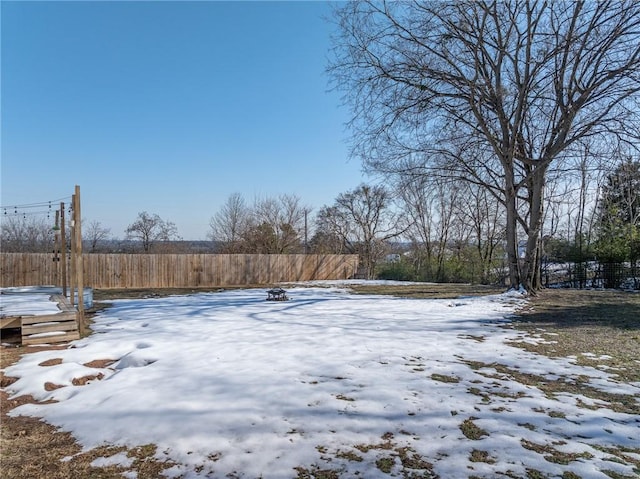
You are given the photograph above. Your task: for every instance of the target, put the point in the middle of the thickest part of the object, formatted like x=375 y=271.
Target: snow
x=119 y=459
x=25 y=302
x=227 y=384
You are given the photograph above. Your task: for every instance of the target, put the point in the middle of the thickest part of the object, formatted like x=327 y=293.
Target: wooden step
x=58 y=338
x=10 y=322
x=50 y=328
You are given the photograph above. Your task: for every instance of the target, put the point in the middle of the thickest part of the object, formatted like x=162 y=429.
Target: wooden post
x=306 y=232
x=63 y=241
x=79 y=263
x=72 y=254
x=56 y=250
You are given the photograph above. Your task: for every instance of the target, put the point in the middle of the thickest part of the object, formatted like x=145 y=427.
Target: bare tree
x=364 y=221
x=417 y=197
x=429 y=207
x=285 y=215
x=519 y=83
x=487 y=220
x=271 y=225
x=150 y=229
x=26 y=234
x=94 y=233
x=230 y=224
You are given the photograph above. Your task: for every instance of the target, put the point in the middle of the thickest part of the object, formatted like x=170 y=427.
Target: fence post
x=79 y=263
x=63 y=241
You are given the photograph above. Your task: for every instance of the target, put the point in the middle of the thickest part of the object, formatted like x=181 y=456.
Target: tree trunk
x=531 y=267
x=511 y=230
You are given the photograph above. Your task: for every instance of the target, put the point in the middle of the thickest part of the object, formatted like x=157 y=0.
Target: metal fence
x=591 y=274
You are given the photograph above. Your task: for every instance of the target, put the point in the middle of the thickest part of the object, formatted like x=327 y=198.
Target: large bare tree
x=503 y=90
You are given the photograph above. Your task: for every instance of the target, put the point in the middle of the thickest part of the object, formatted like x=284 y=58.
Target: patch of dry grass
x=471 y=430
x=108 y=294
x=599 y=328
x=478 y=455
x=427 y=290
x=551 y=454
x=445 y=378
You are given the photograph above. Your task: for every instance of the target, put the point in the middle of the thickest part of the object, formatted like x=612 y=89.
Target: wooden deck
x=46 y=328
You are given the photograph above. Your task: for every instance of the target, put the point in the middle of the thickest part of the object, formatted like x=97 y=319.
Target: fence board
x=122 y=271
x=70 y=325
x=63 y=337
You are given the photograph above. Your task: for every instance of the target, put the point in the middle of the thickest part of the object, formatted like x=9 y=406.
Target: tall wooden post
x=63 y=241
x=79 y=263
x=306 y=232
x=56 y=250
x=72 y=253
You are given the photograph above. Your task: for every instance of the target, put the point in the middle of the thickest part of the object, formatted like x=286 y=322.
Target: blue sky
x=170 y=107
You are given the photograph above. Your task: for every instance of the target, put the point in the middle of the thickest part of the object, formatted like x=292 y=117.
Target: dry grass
x=578 y=322
x=599 y=328
x=428 y=290
x=471 y=431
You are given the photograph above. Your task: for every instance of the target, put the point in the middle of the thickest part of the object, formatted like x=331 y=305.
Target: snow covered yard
x=329 y=384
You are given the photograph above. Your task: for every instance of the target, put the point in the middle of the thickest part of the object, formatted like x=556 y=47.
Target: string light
x=32 y=209
x=40 y=203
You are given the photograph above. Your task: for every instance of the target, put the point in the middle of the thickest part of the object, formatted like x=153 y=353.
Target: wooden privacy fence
x=116 y=271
